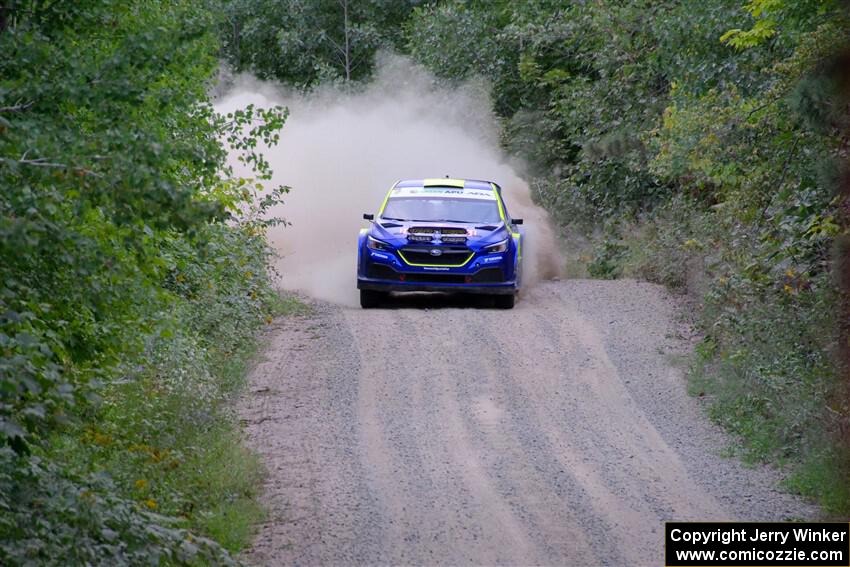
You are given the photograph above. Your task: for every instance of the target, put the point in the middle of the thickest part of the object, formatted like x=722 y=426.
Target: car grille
x=433 y=229
x=456 y=256
x=447 y=235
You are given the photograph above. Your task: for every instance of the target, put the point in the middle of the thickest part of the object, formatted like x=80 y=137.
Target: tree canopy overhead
x=305 y=42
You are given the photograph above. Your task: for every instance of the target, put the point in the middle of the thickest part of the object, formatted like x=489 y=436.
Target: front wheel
x=505 y=301
x=370 y=298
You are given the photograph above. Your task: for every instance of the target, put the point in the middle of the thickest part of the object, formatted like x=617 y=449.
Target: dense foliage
x=128 y=295
x=304 y=43
x=700 y=144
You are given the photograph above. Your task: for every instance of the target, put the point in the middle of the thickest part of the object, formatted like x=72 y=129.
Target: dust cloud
x=340 y=153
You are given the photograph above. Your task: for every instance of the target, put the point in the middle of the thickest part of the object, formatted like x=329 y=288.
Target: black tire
x=505 y=301
x=370 y=298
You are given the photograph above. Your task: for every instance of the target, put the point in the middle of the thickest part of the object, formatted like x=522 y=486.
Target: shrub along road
x=427 y=432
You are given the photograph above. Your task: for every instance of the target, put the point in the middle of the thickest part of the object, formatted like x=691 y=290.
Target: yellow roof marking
x=443 y=182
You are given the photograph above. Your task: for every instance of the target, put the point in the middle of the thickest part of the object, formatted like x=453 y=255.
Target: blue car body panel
x=441 y=256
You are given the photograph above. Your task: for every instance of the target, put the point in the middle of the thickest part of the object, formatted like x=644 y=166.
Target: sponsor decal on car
x=430 y=192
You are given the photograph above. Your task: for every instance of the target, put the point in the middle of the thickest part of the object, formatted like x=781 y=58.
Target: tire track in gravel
x=431 y=433
x=453 y=466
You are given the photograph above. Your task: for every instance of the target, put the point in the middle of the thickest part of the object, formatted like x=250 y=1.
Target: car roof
x=445 y=187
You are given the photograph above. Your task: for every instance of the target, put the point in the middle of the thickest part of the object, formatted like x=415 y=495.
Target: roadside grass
x=576 y=252
x=780 y=423
x=228 y=476
x=824 y=477
x=170 y=440
x=575 y=266
x=174 y=456
x=764 y=367
x=677 y=360
x=289 y=304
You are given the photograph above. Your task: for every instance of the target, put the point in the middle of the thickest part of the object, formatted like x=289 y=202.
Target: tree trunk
x=347 y=43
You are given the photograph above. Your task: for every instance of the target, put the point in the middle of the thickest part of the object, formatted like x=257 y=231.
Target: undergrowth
x=133 y=278
x=766 y=363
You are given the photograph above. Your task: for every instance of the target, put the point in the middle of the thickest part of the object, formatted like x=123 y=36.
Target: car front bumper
x=490 y=289
x=488 y=274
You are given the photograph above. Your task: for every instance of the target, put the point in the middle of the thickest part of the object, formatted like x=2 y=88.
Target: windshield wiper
x=395 y=219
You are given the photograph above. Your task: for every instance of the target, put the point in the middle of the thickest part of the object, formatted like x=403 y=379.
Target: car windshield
x=442 y=210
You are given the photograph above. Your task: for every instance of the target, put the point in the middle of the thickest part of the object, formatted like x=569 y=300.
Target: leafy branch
x=17 y=107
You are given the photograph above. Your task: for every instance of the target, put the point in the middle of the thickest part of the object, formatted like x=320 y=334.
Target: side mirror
x=516 y=221
x=368 y=216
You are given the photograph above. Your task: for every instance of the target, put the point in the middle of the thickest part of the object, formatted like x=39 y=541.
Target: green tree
x=303 y=42
x=121 y=267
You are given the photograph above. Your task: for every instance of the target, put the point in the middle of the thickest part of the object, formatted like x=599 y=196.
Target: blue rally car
x=441 y=235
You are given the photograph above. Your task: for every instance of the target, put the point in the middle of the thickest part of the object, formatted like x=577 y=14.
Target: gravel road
x=558 y=433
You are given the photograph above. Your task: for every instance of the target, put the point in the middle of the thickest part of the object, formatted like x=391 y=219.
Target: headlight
x=375 y=244
x=496 y=248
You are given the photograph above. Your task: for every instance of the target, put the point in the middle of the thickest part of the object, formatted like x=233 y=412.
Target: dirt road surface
x=558 y=433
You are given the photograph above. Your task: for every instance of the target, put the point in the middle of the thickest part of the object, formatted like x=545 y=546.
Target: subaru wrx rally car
x=441 y=235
